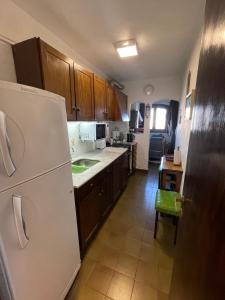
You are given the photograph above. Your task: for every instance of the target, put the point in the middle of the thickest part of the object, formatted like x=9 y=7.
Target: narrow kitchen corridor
x=125 y=262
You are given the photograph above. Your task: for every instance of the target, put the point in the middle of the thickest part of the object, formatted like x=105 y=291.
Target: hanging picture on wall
x=190 y=98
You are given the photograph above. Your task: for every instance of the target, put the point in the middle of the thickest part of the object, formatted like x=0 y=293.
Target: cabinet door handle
x=5 y=146
x=19 y=221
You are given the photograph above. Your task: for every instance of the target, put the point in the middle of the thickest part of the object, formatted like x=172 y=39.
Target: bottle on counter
x=177 y=157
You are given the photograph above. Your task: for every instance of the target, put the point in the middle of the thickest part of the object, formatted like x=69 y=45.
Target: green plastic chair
x=166 y=203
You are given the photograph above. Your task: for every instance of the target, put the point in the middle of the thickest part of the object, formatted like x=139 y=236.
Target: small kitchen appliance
x=130 y=137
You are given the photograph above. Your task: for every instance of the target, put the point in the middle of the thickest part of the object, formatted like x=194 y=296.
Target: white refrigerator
x=39 y=249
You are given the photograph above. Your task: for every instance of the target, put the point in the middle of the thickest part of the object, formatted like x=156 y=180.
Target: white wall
x=164 y=88
x=16 y=25
x=7 y=68
x=184 y=128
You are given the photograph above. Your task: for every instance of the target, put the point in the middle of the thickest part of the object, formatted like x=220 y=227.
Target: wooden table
x=170 y=175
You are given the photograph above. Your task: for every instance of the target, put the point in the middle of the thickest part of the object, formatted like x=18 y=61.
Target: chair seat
x=166 y=203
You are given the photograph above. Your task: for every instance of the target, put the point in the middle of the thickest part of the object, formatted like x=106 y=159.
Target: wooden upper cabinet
x=100 y=98
x=110 y=103
x=39 y=65
x=84 y=94
x=121 y=113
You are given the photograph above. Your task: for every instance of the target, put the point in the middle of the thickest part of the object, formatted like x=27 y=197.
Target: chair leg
x=156 y=224
x=176 y=228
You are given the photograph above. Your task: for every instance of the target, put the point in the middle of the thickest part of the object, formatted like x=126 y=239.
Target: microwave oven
x=90 y=131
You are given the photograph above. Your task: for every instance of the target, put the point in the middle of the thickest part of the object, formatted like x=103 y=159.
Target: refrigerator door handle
x=19 y=221
x=5 y=146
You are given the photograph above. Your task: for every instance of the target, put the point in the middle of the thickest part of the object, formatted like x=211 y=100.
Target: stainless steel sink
x=87 y=163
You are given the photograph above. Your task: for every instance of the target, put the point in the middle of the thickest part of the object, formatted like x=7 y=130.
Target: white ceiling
x=164 y=29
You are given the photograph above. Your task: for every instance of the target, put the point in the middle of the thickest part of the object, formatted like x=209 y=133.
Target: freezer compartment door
x=33 y=133
x=38 y=237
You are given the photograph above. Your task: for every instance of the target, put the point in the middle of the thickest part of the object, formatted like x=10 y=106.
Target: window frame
x=155 y=106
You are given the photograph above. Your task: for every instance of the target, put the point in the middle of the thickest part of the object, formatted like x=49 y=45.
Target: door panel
x=111 y=103
x=100 y=98
x=49 y=262
x=121 y=113
x=84 y=95
x=200 y=257
x=36 y=127
x=58 y=75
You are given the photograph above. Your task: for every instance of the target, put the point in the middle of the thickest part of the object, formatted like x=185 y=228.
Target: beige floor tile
x=148 y=236
x=115 y=241
x=143 y=292
x=135 y=232
x=87 y=267
x=132 y=247
x=164 y=260
x=95 y=250
x=147 y=274
x=100 y=279
x=162 y=296
x=148 y=253
x=164 y=280
x=127 y=265
x=86 y=293
x=119 y=226
x=121 y=287
x=124 y=250
x=109 y=257
x=150 y=224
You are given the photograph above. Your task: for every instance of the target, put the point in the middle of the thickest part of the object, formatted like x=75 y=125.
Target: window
x=158 y=118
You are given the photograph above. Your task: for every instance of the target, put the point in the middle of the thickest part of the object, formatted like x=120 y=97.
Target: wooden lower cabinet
x=95 y=199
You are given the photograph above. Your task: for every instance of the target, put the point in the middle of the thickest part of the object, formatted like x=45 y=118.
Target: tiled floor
x=125 y=262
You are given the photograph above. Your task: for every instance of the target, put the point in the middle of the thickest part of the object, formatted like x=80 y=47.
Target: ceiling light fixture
x=127 y=48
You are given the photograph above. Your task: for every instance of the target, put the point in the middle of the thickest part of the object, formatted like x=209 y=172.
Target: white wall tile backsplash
x=121 y=126
x=76 y=146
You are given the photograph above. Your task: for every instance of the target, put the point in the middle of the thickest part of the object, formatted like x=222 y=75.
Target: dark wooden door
x=84 y=94
x=58 y=76
x=110 y=105
x=199 y=271
x=100 y=98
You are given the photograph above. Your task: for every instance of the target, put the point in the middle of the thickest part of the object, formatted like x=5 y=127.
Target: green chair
x=166 y=203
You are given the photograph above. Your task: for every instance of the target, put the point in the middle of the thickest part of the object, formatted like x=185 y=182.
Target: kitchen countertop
x=106 y=157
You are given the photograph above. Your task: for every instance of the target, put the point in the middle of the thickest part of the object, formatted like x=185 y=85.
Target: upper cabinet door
x=58 y=76
x=84 y=94
x=110 y=103
x=100 y=98
x=39 y=65
x=121 y=113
